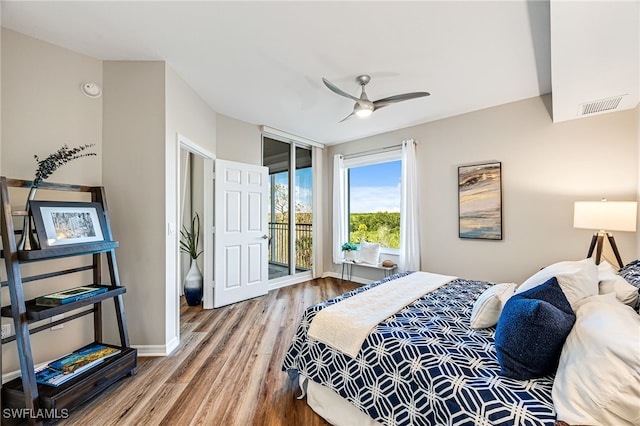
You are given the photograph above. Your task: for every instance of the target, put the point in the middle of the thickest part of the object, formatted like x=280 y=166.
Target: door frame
x=207 y=220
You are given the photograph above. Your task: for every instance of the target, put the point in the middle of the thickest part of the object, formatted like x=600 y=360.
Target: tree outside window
x=374 y=203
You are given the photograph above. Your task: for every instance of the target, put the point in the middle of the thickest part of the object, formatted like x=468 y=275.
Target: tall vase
x=193 y=285
x=28 y=241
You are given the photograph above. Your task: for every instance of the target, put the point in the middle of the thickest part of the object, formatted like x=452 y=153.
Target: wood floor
x=226 y=371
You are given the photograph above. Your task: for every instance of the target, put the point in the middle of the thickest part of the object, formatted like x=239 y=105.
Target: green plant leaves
x=191 y=238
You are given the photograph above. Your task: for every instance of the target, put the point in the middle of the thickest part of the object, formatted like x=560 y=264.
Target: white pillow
x=598 y=377
x=605 y=269
x=369 y=253
x=611 y=282
x=577 y=279
x=488 y=307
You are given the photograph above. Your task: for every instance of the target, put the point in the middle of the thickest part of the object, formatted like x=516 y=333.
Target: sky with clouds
x=374 y=188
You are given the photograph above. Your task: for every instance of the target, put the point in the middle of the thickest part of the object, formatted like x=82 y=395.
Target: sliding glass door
x=290 y=202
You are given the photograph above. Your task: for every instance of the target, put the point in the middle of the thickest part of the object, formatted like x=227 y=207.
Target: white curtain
x=318 y=213
x=339 y=207
x=409 y=217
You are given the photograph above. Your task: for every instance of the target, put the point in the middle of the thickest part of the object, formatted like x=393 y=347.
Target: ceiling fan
x=363 y=107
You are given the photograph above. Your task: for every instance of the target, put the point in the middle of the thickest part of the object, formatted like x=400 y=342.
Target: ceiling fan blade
x=335 y=89
x=398 y=98
x=347 y=117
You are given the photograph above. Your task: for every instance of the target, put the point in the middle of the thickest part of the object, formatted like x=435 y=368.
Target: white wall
x=545 y=168
x=42 y=109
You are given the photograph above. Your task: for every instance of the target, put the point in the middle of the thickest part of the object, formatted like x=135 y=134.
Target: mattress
x=424 y=366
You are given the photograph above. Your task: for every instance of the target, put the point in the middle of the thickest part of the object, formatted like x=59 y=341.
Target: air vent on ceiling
x=600 y=105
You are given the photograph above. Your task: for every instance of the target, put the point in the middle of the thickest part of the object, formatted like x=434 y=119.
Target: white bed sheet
x=332 y=407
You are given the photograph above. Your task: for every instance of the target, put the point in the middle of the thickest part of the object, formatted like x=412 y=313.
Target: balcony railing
x=279 y=244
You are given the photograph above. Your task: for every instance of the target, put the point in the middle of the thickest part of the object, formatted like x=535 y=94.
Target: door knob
x=265 y=237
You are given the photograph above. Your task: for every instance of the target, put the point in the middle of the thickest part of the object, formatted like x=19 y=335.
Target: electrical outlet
x=6 y=330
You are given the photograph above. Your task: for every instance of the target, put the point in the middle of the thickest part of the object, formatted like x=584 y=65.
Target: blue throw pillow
x=531 y=331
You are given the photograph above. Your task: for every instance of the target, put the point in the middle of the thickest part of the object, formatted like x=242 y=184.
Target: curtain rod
x=374 y=151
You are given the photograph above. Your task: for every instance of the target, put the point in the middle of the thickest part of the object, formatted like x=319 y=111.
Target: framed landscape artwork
x=64 y=223
x=480 y=201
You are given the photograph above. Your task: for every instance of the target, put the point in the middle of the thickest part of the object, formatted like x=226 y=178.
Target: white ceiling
x=262 y=62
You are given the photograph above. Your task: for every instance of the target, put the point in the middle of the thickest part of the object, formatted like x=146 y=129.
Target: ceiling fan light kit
x=363 y=111
x=363 y=107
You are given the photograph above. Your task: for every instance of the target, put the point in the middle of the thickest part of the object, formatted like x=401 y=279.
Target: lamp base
x=598 y=240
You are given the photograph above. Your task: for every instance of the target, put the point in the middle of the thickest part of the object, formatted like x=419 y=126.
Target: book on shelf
x=68 y=296
x=69 y=366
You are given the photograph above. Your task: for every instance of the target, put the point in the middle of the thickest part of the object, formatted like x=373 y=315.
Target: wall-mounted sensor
x=92 y=90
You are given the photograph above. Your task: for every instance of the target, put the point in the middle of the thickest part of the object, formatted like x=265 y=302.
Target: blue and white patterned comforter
x=425 y=366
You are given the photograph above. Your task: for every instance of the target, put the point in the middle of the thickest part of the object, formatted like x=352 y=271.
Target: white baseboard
x=354 y=278
x=173 y=344
x=151 y=350
x=157 y=350
x=143 y=350
x=288 y=280
x=292 y=280
x=13 y=374
x=10 y=376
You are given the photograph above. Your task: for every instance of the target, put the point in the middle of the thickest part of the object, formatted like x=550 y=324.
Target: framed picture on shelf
x=480 y=201
x=65 y=223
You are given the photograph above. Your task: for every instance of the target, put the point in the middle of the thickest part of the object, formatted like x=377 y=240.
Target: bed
x=423 y=365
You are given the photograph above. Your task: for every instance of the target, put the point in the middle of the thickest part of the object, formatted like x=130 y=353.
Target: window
x=373 y=198
x=396 y=179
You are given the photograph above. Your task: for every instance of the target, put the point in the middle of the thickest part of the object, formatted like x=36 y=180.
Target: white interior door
x=241 y=234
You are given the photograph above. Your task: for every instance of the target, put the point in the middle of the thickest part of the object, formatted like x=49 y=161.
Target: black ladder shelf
x=24 y=391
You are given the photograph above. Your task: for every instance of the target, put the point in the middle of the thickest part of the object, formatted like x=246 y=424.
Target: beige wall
x=144 y=106
x=190 y=116
x=1 y=298
x=1 y=31
x=545 y=168
x=134 y=176
x=147 y=106
x=42 y=109
x=638 y=179
x=238 y=141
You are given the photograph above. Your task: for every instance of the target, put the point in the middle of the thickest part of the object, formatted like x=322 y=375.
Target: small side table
x=349 y=264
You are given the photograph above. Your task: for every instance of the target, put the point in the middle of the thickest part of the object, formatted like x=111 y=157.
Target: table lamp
x=605 y=216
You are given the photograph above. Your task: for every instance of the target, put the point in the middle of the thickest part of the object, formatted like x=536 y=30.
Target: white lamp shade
x=606 y=215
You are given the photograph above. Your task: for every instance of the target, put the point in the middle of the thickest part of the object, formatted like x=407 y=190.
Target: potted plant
x=189 y=244
x=45 y=169
x=349 y=250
